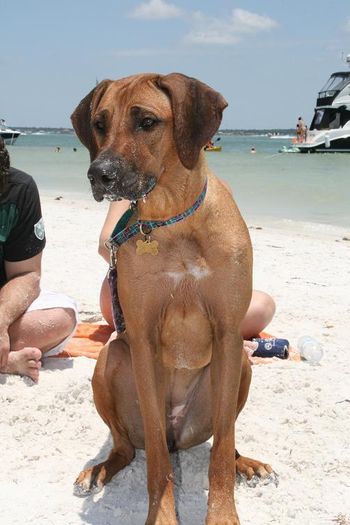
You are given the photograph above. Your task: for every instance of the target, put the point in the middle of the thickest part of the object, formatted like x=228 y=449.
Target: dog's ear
x=81 y=117
x=197 y=113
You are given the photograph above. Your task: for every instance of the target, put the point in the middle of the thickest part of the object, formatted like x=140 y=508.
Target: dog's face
x=138 y=127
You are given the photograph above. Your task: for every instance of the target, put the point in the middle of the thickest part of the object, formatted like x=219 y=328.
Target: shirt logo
x=39 y=229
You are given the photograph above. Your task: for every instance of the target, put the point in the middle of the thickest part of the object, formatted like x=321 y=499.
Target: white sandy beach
x=296 y=418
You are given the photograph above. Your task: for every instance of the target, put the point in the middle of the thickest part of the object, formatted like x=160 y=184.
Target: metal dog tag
x=146 y=246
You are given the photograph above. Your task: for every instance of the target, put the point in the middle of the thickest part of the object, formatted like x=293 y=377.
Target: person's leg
x=106 y=302
x=43 y=329
x=34 y=334
x=46 y=325
x=260 y=313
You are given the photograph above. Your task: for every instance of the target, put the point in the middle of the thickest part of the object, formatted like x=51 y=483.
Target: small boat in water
x=330 y=127
x=289 y=149
x=213 y=148
x=280 y=137
x=9 y=135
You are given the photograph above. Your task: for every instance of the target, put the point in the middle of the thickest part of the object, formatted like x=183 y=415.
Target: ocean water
x=268 y=186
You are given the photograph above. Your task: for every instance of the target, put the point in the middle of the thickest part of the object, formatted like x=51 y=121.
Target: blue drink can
x=271 y=348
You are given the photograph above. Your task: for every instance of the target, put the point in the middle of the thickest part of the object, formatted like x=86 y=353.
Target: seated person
x=33 y=323
x=259 y=314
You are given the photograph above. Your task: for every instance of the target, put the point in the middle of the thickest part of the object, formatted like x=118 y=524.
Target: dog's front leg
x=225 y=379
x=149 y=382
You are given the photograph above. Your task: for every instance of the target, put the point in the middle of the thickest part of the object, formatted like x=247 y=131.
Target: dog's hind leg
x=93 y=479
x=112 y=375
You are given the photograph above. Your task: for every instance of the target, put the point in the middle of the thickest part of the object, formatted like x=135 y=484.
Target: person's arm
x=115 y=211
x=21 y=289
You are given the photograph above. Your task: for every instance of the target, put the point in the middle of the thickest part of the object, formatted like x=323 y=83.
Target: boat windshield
x=335 y=83
x=330 y=118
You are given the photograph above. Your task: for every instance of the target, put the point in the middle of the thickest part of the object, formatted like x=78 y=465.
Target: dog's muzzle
x=114 y=179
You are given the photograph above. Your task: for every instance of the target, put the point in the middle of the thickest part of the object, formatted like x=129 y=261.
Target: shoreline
x=252 y=220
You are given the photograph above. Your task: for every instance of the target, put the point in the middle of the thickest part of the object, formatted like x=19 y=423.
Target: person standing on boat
x=301 y=130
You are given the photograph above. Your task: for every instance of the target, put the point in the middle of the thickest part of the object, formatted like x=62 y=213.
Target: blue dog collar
x=123 y=233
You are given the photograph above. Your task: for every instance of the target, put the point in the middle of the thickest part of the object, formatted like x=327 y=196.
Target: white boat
x=9 y=135
x=280 y=137
x=330 y=127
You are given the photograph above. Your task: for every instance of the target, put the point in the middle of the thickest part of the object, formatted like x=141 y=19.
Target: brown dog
x=177 y=375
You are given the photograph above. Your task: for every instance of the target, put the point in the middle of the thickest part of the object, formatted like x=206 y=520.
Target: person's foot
x=25 y=362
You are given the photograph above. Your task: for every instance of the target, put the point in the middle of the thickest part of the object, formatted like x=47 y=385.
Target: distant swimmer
x=252 y=150
x=75 y=149
x=57 y=149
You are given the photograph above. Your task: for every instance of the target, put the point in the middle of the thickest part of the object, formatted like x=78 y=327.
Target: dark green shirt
x=22 y=233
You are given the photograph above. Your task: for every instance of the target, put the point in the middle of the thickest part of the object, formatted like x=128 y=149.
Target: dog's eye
x=99 y=125
x=147 y=123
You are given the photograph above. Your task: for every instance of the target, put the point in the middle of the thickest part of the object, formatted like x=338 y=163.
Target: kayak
x=213 y=148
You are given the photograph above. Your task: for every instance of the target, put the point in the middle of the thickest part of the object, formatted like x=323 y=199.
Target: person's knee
x=106 y=302
x=263 y=307
x=42 y=329
x=67 y=320
x=260 y=313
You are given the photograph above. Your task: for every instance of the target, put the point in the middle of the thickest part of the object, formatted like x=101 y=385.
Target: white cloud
x=247 y=22
x=209 y=30
x=156 y=9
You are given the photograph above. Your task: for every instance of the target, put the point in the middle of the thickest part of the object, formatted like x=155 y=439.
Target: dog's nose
x=99 y=173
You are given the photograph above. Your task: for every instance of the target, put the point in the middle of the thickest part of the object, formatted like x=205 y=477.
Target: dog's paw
x=253 y=472
x=256 y=480
x=271 y=479
x=251 y=467
x=85 y=485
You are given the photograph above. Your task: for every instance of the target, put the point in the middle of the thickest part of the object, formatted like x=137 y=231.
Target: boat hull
x=10 y=137
x=337 y=145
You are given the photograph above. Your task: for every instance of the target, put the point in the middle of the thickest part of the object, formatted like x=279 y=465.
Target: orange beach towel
x=87 y=341
x=90 y=338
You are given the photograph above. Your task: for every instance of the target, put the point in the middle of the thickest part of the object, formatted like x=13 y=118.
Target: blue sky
x=268 y=58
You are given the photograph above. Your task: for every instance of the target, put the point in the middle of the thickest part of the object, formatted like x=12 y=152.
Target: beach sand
x=296 y=418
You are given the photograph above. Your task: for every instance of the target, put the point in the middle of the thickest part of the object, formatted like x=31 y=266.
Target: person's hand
x=4 y=347
x=249 y=347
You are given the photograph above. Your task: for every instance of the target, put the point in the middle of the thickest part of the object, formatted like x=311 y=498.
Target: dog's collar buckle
x=145 y=229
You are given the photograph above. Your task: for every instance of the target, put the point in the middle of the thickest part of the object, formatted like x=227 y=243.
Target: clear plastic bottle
x=310 y=349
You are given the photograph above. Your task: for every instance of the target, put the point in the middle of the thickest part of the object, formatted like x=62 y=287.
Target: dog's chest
x=186 y=334
x=193 y=270
x=174 y=285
